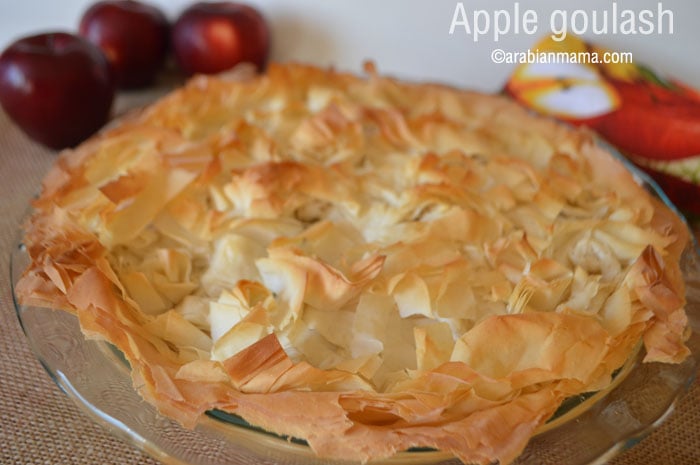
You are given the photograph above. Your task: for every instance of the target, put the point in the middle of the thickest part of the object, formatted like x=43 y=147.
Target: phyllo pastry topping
x=367 y=264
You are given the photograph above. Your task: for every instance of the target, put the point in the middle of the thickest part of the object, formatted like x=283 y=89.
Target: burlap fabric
x=40 y=425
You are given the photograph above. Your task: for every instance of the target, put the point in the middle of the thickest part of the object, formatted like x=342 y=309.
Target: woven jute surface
x=40 y=425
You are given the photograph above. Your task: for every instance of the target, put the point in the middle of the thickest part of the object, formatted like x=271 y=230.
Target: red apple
x=213 y=37
x=57 y=87
x=133 y=35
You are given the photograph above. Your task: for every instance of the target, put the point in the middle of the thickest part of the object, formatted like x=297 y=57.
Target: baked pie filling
x=367 y=264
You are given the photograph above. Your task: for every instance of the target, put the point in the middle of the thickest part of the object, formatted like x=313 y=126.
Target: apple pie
x=367 y=264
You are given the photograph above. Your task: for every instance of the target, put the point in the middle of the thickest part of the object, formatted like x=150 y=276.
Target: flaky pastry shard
x=367 y=264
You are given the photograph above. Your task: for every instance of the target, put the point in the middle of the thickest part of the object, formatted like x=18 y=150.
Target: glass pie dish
x=587 y=429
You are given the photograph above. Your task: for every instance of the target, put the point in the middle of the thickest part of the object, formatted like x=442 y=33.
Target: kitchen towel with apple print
x=653 y=121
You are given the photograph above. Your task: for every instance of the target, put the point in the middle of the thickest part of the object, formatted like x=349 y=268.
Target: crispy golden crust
x=367 y=264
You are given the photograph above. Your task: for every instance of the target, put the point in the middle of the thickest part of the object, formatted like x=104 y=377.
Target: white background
x=406 y=38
